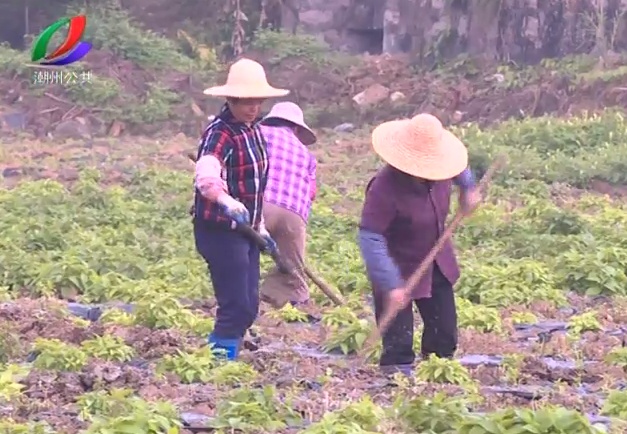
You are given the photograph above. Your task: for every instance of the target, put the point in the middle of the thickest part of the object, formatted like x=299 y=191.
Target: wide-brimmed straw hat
x=246 y=79
x=421 y=147
x=289 y=111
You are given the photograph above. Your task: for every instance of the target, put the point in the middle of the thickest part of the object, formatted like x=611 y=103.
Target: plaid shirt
x=242 y=151
x=292 y=173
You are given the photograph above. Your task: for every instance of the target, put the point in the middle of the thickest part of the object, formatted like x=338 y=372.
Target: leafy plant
x=160 y=311
x=99 y=92
x=285 y=46
x=233 y=374
x=518 y=282
x=364 y=413
x=10 y=376
x=550 y=420
x=615 y=404
x=617 y=357
x=198 y=325
x=108 y=347
x=437 y=414
x=339 y=316
x=252 y=410
x=8 y=426
x=511 y=366
x=190 y=367
x=595 y=273
x=373 y=353
x=331 y=423
x=142 y=416
x=117 y=316
x=349 y=338
x=9 y=342
x=440 y=370
x=115 y=30
x=585 y=322
x=157 y=105
x=477 y=317
x=105 y=403
x=289 y=313
x=57 y=355
x=524 y=318
x=205 y=54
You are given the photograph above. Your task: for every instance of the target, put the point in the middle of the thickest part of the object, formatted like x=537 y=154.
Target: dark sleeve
x=379 y=207
x=381 y=268
x=465 y=180
x=217 y=142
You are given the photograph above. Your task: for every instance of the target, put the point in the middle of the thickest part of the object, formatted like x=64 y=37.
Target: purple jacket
x=410 y=215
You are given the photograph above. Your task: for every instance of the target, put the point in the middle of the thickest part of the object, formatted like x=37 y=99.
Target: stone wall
x=519 y=30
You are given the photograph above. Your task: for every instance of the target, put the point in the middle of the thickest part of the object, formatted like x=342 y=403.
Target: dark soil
x=51 y=395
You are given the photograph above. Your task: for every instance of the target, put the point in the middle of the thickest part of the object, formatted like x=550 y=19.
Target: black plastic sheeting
x=541 y=331
x=93 y=312
x=199 y=423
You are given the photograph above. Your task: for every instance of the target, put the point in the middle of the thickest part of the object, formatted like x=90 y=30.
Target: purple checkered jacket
x=291 y=173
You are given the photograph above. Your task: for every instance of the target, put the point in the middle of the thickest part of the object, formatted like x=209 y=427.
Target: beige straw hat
x=292 y=112
x=246 y=79
x=421 y=147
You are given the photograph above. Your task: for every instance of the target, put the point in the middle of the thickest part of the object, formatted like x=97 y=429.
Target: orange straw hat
x=246 y=79
x=421 y=147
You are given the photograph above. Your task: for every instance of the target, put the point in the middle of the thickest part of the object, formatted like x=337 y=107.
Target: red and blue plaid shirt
x=242 y=151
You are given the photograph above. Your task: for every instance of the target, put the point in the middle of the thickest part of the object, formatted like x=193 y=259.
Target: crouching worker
x=231 y=174
x=289 y=194
x=404 y=214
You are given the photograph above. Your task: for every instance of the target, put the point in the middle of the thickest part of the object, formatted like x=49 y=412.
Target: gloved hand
x=234 y=209
x=271 y=246
x=469 y=200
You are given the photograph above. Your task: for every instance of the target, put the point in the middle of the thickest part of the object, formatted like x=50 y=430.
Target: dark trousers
x=439 y=317
x=233 y=263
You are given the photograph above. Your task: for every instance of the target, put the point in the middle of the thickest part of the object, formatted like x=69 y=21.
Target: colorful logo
x=70 y=51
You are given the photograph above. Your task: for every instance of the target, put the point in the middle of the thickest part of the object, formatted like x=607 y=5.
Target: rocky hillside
x=146 y=83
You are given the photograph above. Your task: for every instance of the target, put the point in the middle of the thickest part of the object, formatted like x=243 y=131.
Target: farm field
x=106 y=305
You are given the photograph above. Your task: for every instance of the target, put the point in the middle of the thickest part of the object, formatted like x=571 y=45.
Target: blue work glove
x=234 y=209
x=271 y=246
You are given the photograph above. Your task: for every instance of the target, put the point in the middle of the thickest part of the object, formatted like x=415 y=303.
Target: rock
x=457 y=117
x=116 y=128
x=71 y=129
x=12 y=172
x=316 y=20
x=397 y=96
x=68 y=174
x=499 y=78
x=344 y=128
x=13 y=121
x=372 y=96
x=107 y=372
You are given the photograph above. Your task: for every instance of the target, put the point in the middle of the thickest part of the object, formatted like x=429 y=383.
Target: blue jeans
x=233 y=263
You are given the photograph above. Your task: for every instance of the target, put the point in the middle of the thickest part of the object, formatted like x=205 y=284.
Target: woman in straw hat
x=404 y=213
x=289 y=194
x=231 y=174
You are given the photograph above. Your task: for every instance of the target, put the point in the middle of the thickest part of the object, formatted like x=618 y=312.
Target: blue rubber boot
x=227 y=348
